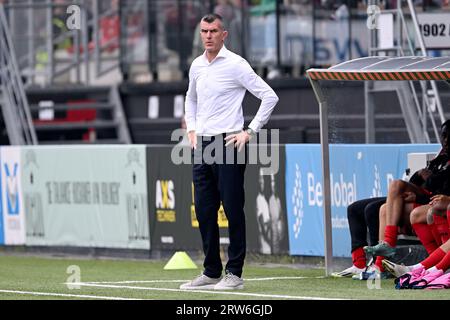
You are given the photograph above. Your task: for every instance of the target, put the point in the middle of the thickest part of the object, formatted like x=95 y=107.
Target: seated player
x=362 y=216
x=432 y=180
x=428 y=272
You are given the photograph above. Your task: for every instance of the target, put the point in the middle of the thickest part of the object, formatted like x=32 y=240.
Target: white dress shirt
x=216 y=90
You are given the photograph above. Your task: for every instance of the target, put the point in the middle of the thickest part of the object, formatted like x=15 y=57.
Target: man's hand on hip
x=192 y=137
x=239 y=140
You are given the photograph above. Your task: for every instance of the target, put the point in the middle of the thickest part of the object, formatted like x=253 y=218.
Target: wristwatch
x=250 y=132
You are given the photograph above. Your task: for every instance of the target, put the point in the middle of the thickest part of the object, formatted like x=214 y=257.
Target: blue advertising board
x=357 y=172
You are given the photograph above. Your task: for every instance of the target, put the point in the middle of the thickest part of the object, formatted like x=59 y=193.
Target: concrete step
x=81 y=106
x=82 y=142
x=98 y=124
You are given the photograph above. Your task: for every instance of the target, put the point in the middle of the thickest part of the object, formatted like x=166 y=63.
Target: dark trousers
x=215 y=183
x=363 y=216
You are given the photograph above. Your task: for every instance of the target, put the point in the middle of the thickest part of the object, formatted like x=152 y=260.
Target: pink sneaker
x=443 y=282
x=404 y=281
x=426 y=279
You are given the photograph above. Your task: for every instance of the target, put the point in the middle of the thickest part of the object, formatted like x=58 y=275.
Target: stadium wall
x=135 y=197
x=154 y=110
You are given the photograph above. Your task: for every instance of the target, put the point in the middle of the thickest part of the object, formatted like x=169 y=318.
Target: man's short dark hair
x=211 y=17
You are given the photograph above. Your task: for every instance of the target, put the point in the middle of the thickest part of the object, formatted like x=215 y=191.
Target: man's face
x=212 y=35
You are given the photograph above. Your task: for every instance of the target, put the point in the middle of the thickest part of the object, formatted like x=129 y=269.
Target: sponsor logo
x=297 y=202
x=165 y=201
x=12 y=189
x=343 y=192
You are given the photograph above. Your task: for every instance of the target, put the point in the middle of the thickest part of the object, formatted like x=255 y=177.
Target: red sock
x=378 y=263
x=423 y=231
x=359 y=257
x=390 y=235
x=444 y=264
x=442 y=227
x=433 y=258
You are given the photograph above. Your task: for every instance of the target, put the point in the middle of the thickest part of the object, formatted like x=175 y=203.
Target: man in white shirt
x=218 y=80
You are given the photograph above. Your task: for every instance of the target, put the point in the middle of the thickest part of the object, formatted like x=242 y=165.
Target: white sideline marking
x=139 y=281
x=187 y=280
x=52 y=294
x=275 y=296
x=283 y=278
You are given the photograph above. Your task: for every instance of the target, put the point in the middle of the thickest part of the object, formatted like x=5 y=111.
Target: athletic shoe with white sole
x=230 y=282
x=381 y=249
x=348 y=273
x=201 y=282
x=395 y=269
x=372 y=273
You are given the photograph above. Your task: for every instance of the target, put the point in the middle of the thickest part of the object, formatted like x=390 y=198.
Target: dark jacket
x=438 y=181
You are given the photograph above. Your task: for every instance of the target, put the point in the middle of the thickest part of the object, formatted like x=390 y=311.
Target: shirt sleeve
x=260 y=89
x=190 y=105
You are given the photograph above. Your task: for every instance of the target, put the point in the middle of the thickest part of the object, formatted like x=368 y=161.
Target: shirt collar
x=223 y=53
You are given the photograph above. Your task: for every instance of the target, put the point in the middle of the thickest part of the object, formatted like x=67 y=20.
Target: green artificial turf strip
x=48 y=275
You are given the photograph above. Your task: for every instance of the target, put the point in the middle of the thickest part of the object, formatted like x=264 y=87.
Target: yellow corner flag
x=180 y=260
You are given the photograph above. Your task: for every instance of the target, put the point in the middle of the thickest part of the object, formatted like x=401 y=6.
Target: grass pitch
x=25 y=277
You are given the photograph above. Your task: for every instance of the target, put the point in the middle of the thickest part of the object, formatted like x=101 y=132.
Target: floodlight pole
x=323 y=110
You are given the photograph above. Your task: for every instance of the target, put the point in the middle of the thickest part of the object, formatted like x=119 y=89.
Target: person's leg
x=425 y=235
x=231 y=185
x=207 y=203
x=230 y=177
x=405 y=216
x=444 y=264
x=405 y=224
x=436 y=277
x=388 y=238
x=395 y=207
x=358 y=230
x=430 y=270
x=382 y=227
x=382 y=222
x=375 y=215
x=435 y=257
x=358 y=236
x=439 y=211
x=360 y=215
x=440 y=258
x=371 y=215
x=418 y=219
x=433 y=227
